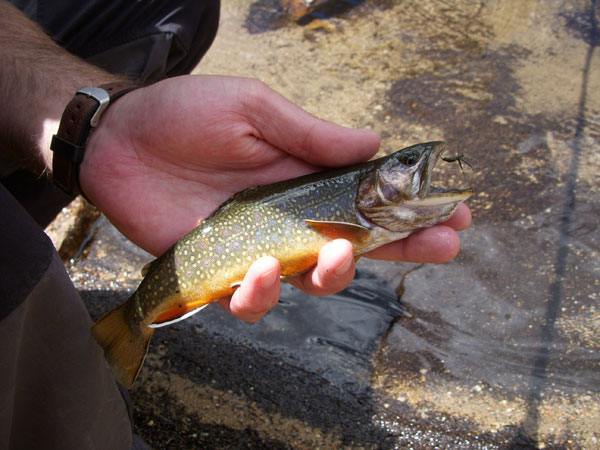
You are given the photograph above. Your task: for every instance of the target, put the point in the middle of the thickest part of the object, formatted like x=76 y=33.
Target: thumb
x=290 y=128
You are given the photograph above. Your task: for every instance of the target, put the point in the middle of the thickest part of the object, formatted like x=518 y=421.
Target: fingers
x=461 y=218
x=258 y=293
x=290 y=128
x=437 y=244
x=334 y=270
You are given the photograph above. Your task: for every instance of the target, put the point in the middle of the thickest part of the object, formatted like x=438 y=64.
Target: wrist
x=81 y=116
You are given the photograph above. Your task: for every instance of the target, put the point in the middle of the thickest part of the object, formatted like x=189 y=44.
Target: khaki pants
x=56 y=390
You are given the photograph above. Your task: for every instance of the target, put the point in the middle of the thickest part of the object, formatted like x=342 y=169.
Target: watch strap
x=81 y=115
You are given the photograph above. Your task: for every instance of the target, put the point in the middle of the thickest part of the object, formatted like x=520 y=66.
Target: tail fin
x=124 y=348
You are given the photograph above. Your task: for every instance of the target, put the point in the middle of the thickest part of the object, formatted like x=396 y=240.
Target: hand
x=165 y=156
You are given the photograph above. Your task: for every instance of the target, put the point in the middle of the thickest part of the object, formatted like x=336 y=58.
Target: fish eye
x=409 y=159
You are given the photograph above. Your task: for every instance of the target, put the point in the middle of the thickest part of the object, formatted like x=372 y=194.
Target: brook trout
x=369 y=204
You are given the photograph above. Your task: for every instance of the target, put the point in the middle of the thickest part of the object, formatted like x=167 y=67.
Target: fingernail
x=344 y=267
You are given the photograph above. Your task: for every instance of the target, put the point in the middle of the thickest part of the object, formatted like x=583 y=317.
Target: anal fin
x=184 y=316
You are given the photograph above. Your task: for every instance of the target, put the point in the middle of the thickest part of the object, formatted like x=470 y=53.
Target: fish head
x=397 y=194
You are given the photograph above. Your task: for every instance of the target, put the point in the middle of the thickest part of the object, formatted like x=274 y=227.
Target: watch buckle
x=103 y=99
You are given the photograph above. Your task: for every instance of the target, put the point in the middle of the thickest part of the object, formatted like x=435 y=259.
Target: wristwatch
x=81 y=115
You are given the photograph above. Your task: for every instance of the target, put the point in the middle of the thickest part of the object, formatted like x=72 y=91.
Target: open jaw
x=429 y=195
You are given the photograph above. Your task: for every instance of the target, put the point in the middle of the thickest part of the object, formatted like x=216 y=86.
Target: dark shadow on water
x=539 y=374
x=268 y=15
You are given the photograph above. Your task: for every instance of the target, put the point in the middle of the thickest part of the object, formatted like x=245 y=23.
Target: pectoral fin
x=340 y=230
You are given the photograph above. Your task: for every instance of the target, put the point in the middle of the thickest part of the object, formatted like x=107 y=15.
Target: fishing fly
x=460 y=158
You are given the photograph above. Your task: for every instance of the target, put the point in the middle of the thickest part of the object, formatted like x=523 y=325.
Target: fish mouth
x=429 y=195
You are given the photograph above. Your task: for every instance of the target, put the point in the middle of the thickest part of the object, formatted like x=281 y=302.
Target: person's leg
x=56 y=390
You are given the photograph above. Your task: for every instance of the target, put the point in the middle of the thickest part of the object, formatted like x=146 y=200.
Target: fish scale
x=369 y=204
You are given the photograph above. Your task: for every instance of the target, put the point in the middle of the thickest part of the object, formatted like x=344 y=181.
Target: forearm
x=37 y=80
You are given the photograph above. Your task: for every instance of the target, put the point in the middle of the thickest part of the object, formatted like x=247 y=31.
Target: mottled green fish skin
x=266 y=220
